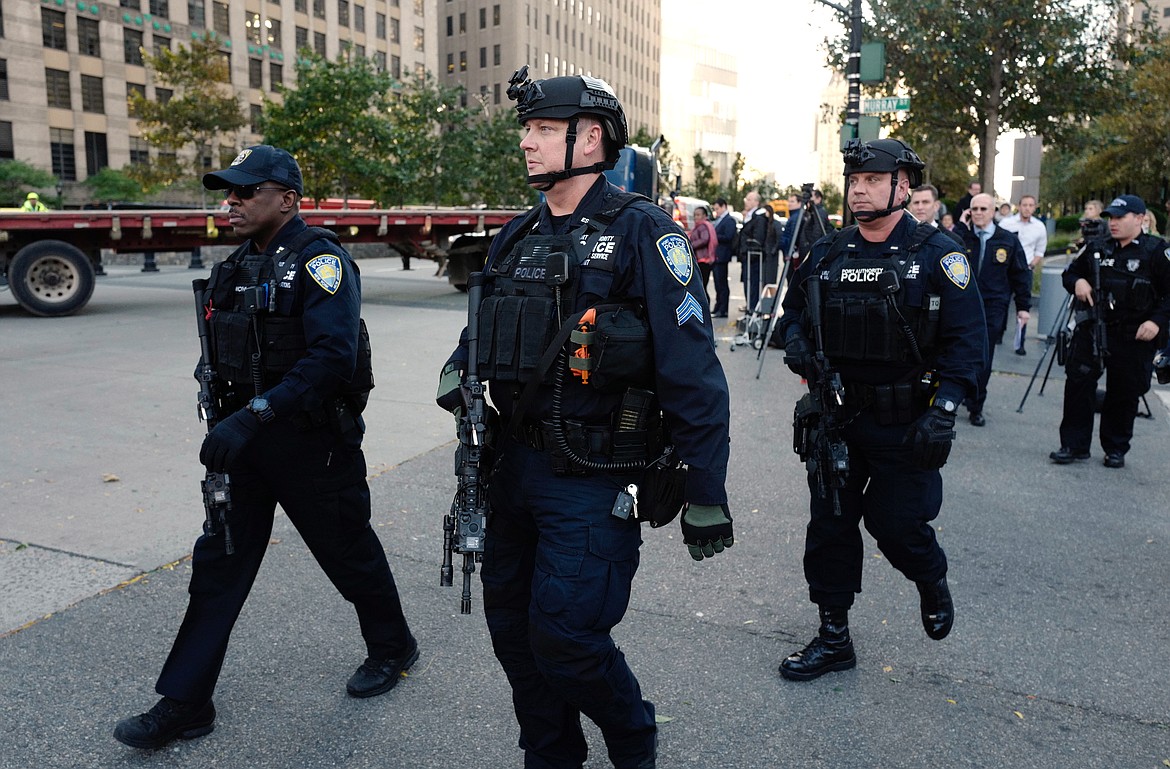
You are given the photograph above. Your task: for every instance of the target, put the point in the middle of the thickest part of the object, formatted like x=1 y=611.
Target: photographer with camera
x=1122 y=288
x=885 y=320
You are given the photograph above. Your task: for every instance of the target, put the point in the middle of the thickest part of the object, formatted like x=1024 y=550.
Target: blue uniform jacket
x=323 y=288
x=1005 y=272
x=1144 y=247
x=962 y=337
x=650 y=262
x=725 y=230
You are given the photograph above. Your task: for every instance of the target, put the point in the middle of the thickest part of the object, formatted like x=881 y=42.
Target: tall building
x=67 y=67
x=699 y=92
x=482 y=42
x=827 y=141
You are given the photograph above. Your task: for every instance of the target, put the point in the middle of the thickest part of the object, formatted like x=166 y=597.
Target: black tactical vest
x=872 y=313
x=1127 y=292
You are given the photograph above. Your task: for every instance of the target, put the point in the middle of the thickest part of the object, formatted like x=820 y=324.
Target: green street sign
x=885 y=104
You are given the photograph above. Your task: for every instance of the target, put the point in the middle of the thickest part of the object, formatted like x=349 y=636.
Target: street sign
x=885 y=104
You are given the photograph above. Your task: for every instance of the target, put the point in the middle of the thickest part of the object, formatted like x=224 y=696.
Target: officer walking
x=293 y=369
x=902 y=325
x=1122 y=282
x=1001 y=272
x=561 y=546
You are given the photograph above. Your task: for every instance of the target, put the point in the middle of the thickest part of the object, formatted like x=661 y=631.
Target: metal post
x=196 y=258
x=148 y=262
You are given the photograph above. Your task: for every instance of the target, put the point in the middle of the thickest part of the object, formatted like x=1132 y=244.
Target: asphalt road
x=1057 y=658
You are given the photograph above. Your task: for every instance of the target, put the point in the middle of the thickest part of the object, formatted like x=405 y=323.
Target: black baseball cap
x=255 y=165
x=1125 y=204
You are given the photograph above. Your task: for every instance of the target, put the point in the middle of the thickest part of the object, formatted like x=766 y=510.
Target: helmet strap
x=548 y=180
x=869 y=216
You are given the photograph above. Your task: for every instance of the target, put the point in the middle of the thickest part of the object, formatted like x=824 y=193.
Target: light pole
x=853 y=77
x=60 y=192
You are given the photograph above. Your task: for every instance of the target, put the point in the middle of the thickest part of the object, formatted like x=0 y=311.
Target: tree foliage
x=110 y=185
x=496 y=172
x=335 y=122
x=973 y=68
x=202 y=113
x=18 y=178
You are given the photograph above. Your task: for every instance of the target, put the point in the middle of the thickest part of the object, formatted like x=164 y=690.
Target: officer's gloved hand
x=450 y=380
x=798 y=355
x=707 y=530
x=223 y=445
x=931 y=436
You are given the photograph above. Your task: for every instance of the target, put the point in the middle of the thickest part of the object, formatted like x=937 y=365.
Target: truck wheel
x=51 y=277
x=467 y=254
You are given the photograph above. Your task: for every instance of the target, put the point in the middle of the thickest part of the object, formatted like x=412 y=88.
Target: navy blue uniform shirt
x=646 y=258
x=962 y=338
x=1004 y=272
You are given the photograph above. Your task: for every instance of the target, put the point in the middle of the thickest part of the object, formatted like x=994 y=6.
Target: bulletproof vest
x=251 y=343
x=534 y=287
x=862 y=298
x=1127 y=291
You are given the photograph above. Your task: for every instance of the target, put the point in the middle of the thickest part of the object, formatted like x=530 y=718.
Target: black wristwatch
x=262 y=409
x=947 y=405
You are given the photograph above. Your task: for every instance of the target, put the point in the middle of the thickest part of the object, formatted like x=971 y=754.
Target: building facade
x=482 y=42
x=67 y=67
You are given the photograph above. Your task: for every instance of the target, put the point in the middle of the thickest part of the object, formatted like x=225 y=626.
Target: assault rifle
x=817 y=419
x=1097 y=312
x=464 y=527
x=217 y=494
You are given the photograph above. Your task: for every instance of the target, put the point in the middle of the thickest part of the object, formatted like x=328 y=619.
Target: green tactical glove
x=447 y=395
x=707 y=530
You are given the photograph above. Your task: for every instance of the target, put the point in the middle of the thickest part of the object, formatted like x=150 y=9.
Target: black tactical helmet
x=562 y=98
x=884 y=156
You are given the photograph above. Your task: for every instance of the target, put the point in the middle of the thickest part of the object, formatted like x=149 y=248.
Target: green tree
x=497 y=172
x=203 y=112
x=18 y=178
x=977 y=68
x=110 y=185
x=834 y=200
x=704 y=185
x=337 y=124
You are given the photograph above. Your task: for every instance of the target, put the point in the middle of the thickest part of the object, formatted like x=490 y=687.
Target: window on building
x=419 y=7
x=450 y=63
x=395 y=31
x=380 y=60
x=89 y=40
x=220 y=20
x=197 y=13
x=7 y=147
x=57 y=88
x=53 y=29
x=359 y=18
x=131 y=89
x=483 y=18
x=483 y=57
x=496 y=93
x=132 y=46
x=275 y=75
x=462 y=22
x=302 y=38
x=380 y=26
x=450 y=26
x=160 y=8
x=273 y=36
x=97 y=156
x=319 y=8
x=139 y=151
x=93 y=98
x=254 y=112
x=396 y=67
x=420 y=39
x=495 y=15
x=360 y=50
x=163 y=95
x=496 y=54
x=253 y=28
x=161 y=44
x=301 y=6
x=64 y=154
x=226 y=58
x=255 y=73
x=133 y=4
x=4 y=79
x=343 y=12
x=319 y=43
x=463 y=61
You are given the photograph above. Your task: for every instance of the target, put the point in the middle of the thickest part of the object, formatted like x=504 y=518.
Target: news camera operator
x=885 y=321
x=1121 y=284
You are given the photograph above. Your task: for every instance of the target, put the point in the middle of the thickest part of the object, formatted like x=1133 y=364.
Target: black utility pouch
x=661 y=493
x=624 y=349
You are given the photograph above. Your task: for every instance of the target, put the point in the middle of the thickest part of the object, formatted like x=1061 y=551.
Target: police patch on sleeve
x=676 y=252
x=956 y=269
x=326 y=271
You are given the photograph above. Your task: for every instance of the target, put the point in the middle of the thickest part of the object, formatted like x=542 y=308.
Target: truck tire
x=467 y=254
x=50 y=278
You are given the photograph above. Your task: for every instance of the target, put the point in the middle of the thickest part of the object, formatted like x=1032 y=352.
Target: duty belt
x=597 y=440
x=897 y=403
x=336 y=414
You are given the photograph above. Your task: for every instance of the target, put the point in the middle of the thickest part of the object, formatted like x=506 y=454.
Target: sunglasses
x=248 y=192
x=980 y=208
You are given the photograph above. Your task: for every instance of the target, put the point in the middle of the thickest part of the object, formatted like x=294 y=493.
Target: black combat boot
x=167 y=720
x=938 y=610
x=831 y=650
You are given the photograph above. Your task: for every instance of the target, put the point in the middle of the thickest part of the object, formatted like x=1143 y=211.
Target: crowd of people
x=890 y=321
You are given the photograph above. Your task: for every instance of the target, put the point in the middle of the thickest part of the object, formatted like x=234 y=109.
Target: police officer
x=1001 y=271
x=1132 y=270
x=902 y=325
x=561 y=548
x=293 y=370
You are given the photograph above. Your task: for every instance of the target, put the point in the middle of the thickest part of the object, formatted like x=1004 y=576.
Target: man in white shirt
x=1033 y=237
